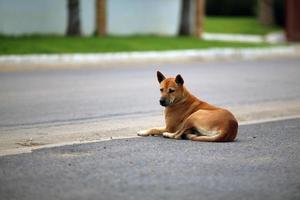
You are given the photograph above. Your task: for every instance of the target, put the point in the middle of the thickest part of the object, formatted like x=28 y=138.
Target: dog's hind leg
x=152 y=131
x=178 y=134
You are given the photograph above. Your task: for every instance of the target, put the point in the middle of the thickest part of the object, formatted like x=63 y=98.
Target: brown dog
x=186 y=116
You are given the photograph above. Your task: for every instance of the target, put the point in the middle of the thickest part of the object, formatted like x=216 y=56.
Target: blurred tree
x=191 y=20
x=292 y=26
x=265 y=13
x=185 y=18
x=73 y=18
x=200 y=5
x=101 y=17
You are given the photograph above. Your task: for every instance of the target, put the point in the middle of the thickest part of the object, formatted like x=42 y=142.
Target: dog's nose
x=163 y=102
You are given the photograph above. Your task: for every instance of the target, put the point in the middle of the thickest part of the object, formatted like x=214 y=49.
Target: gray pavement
x=264 y=163
x=55 y=107
x=55 y=97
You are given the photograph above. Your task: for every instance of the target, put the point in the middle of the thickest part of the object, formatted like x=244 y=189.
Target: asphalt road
x=264 y=163
x=59 y=96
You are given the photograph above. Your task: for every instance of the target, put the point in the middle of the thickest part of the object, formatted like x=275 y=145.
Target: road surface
x=46 y=107
x=264 y=163
x=30 y=98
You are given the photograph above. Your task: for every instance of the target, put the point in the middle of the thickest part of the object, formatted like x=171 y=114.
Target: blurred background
x=130 y=17
x=36 y=26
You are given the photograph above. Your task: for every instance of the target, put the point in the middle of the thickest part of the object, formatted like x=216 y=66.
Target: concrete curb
x=45 y=61
x=272 y=38
x=233 y=37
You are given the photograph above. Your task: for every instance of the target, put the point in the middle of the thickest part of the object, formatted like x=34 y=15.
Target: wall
x=124 y=17
x=19 y=17
x=127 y=17
x=29 y=17
x=88 y=17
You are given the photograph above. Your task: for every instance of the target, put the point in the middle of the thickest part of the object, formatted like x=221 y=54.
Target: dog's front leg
x=152 y=131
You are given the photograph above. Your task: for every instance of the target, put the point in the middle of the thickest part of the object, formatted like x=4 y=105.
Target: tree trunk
x=292 y=20
x=185 y=17
x=73 y=18
x=101 y=17
x=200 y=4
x=266 y=16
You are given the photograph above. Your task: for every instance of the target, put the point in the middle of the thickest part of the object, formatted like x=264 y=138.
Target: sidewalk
x=76 y=60
x=272 y=38
x=48 y=61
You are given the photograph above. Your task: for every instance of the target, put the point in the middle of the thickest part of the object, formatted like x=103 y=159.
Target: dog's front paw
x=143 y=133
x=168 y=135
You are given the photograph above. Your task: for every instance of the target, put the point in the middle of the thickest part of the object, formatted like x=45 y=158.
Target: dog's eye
x=161 y=89
x=171 y=90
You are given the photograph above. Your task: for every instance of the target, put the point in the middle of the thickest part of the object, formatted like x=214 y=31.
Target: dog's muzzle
x=164 y=102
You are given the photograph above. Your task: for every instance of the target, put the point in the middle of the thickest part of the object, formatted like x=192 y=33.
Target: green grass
x=56 y=44
x=238 y=25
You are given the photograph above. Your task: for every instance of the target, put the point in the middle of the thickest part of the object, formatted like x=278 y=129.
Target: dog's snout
x=163 y=102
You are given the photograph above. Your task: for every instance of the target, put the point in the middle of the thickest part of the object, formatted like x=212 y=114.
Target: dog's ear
x=160 y=76
x=179 y=80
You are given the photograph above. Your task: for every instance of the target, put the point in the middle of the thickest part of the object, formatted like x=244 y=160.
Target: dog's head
x=171 y=89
